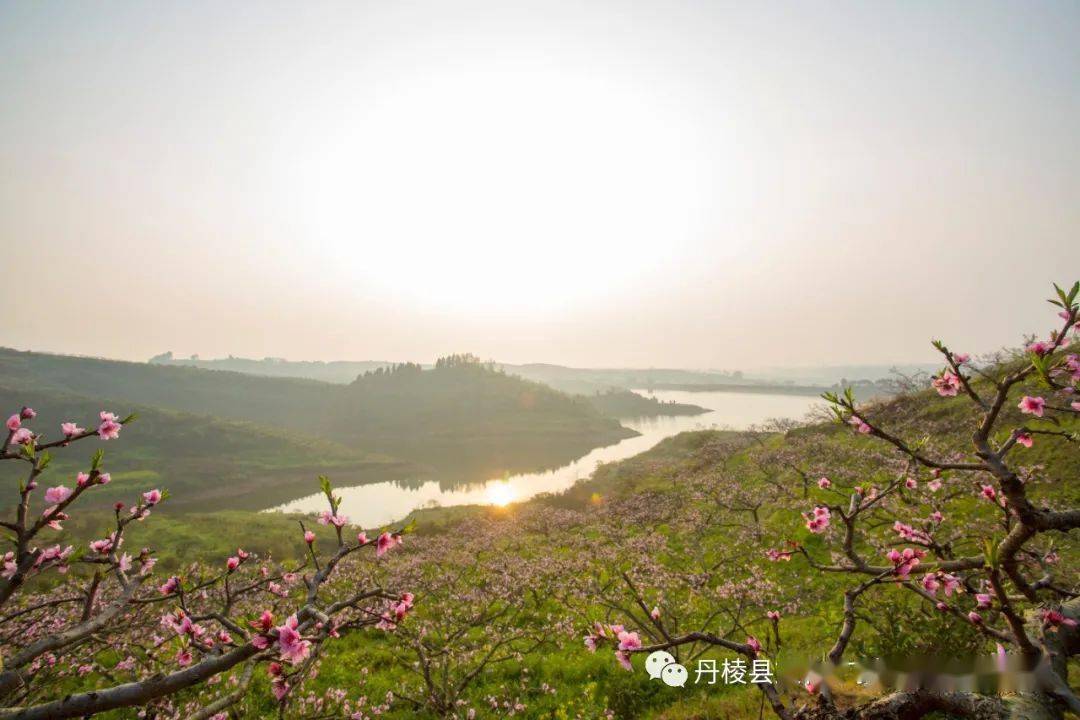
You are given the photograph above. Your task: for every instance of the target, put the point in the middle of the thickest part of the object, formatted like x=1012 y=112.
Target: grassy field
x=689 y=520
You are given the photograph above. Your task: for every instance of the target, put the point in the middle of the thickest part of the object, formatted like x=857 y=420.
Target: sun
x=481 y=191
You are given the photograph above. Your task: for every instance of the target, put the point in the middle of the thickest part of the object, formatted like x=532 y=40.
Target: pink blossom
x=950 y=582
x=82 y=479
x=1076 y=406
x=911 y=483
x=103 y=546
x=152 y=497
x=170 y=586
x=125 y=563
x=265 y=621
x=104 y=479
x=983 y=600
x=280 y=689
x=590 y=643
x=989 y=493
x=109 y=429
x=22 y=436
x=1039 y=347
x=930 y=583
x=1053 y=619
x=54 y=555
x=403 y=606
x=309 y=537
x=386 y=622
x=70 y=429
x=328 y=518
x=909 y=533
x=943 y=607
x=934 y=485
x=294 y=648
x=937 y=517
x=55 y=517
x=624 y=660
x=183 y=658
x=655 y=613
x=961 y=358
x=57 y=495
x=753 y=643
x=777 y=555
x=857 y=422
x=905 y=561
x=628 y=640
x=385 y=542
x=362 y=538
x=947 y=384
x=817 y=522
x=1032 y=405
x=1024 y=439
x=14 y=422
x=975 y=618
x=232 y=563
x=824 y=483
x=773 y=615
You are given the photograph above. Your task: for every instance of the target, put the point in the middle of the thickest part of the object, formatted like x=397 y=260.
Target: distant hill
x=337 y=371
x=838 y=374
x=588 y=381
x=468 y=410
x=583 y=381
x=575 y=381
x=627 y=404
x=460 y=413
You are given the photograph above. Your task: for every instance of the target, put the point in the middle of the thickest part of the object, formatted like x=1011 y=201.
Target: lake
x=381 y=503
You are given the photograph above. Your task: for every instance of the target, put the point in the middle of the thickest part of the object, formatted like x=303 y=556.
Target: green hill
x=459 y=414
x=207 y=463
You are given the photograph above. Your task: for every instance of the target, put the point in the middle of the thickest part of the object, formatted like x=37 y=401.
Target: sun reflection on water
x=500 y=493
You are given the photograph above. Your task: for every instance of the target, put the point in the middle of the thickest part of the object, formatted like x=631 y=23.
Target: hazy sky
x=692 y=184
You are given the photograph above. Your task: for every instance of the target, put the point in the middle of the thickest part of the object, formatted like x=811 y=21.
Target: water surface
x=381 y=503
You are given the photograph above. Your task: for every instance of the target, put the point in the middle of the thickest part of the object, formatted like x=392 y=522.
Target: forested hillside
x=206 y=462
x=460 y=412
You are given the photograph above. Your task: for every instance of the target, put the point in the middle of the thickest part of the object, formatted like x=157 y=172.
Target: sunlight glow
x=484 y=189
x=500 y=493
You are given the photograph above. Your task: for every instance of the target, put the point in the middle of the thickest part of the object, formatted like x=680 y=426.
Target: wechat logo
x=662 y=665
